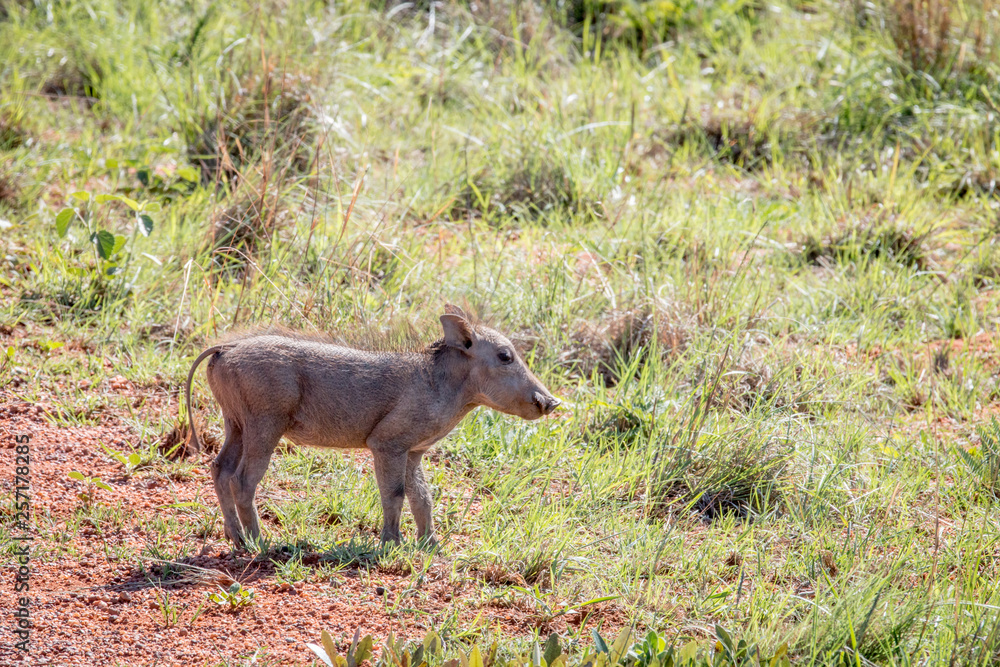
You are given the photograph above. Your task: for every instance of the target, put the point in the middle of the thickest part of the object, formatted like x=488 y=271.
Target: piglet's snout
x=546 y=404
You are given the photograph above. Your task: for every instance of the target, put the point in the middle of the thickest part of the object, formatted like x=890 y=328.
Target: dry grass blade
x=195 y=575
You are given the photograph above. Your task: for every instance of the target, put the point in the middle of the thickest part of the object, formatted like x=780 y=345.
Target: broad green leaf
x=111 y=163
x=79 y=476
x=188 y=173
x=432 y=642
x=724 y=637
x=319 y=651
x=364 y=650
x=151 y=207
x=105 y=242
x=134 y=459
x=620 y=646
x=597 y=600
x=82 y=195
x=120 y=242
x=145 y=224
x=780 y=656
x=599 y=643
x=328 y=645
x=101 y=485
x=10 y=352
x=63 y=219
x=131 y=203
x=475 y=658
x=100 y=199
x=552 y=649
x=112 y=270
x=688 y=652
x=351 y=660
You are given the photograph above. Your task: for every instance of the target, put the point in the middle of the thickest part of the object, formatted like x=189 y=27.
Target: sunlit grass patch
x=769 y=321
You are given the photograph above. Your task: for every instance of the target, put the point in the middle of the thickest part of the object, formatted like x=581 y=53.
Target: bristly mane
x=436 y=349
x=242 y=333
x=395 y=340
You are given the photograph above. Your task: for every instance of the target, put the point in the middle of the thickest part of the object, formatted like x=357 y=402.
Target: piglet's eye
x=504 y=357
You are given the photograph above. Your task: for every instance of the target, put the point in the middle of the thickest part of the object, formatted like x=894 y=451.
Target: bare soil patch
x=95 y=603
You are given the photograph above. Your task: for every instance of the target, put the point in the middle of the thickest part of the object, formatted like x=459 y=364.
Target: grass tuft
x=738 y=131
x=530 y=184
x=618 y=343
x=263 y=117
x=942 y=44
x=10 y=189
x=12 y=132
x=737 y=474
x=242 y=231
x=868 y=242
x=173 y=444
x=75 y=75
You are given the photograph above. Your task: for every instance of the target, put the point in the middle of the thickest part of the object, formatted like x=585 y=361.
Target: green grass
x=734 y=238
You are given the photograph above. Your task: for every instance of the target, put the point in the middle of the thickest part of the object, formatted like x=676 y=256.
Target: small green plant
x=983 y=460
x=171 y=612
x=234 y=598
x=8 y=357
x=548 y=607
x=112 y=251
x=291 y=571
x=91 y=485
x=130 y=462
x=655 y=651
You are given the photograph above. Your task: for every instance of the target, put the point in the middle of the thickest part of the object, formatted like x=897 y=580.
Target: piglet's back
x=328 y=386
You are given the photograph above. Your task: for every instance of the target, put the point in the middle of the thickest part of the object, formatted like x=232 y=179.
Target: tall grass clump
x=946 y=46
x=259 y=116
x=734 y=473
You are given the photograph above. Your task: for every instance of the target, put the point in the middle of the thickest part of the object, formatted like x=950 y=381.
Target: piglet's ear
x=458 y=333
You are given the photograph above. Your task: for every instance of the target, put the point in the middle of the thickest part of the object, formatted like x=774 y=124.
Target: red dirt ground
x=94 y=609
